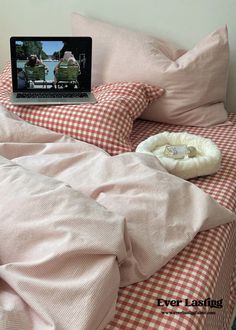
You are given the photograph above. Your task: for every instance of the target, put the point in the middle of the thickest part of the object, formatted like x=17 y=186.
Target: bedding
x=195 y=80
x=106 y=124
x=206 y=268
x=62 y=190
x=49 y=256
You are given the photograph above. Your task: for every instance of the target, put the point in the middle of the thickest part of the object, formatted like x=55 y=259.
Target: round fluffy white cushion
x=207 y=160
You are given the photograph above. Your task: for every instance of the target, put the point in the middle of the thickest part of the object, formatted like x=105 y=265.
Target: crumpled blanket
x=77 y=223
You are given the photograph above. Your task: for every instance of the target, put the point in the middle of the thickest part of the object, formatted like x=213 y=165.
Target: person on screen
x=68 y=59
x=33 y=61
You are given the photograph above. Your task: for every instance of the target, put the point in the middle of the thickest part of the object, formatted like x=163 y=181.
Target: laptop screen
x=51 y=63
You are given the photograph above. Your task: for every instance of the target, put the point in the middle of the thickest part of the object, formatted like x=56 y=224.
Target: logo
x=191 y=303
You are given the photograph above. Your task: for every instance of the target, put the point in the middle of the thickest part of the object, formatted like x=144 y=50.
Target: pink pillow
x=195 y=81
x=106 y=124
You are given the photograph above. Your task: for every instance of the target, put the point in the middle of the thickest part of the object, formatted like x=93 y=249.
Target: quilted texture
x=195 y=80
x=106 y=124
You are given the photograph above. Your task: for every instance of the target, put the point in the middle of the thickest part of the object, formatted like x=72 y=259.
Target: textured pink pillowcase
x=195 y=81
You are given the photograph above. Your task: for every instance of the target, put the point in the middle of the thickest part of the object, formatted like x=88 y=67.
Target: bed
x=204 y=269
x=193 y=285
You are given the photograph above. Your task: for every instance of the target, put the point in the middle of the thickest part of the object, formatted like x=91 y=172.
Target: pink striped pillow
x=106 y=124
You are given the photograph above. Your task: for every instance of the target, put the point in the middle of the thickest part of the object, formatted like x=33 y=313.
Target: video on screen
x=50 y=65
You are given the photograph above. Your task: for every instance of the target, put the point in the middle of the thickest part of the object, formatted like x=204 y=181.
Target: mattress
x=205 y=270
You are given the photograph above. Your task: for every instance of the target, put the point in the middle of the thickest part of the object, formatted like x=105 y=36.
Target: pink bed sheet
x=206 y=268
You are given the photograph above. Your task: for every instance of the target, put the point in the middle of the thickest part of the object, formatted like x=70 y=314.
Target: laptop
x=51 y=70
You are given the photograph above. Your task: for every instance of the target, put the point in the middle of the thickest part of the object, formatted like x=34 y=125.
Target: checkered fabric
x=106 y=124
x=204 y=269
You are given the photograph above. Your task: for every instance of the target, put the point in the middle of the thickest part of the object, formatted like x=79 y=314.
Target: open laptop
x=51 y=70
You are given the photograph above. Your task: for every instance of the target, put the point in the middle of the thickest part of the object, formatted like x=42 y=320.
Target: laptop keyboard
x=51 y=95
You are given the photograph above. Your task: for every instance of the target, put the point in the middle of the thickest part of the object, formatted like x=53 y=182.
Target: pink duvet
x=77 y=223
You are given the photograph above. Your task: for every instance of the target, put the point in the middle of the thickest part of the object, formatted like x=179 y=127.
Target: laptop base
x=87 y=97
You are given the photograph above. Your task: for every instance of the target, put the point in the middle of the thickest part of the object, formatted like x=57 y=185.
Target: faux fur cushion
x=206 y=160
